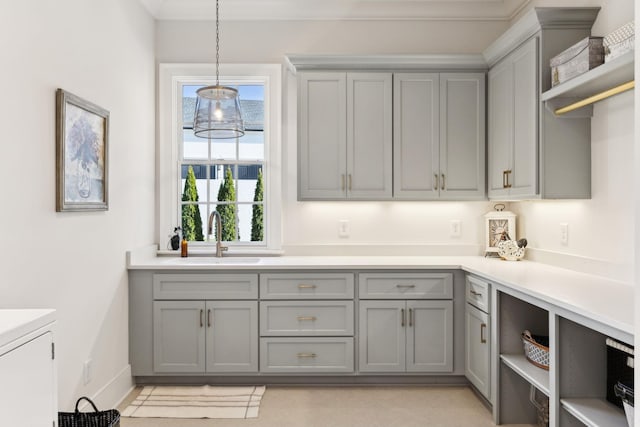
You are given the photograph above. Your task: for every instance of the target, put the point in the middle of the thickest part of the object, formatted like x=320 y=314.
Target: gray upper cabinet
x=439 y=143
x=532 y=154
x=345 y=136
x=513 y=117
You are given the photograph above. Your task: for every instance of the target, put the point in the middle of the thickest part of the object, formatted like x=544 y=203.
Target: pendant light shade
x=218 y=114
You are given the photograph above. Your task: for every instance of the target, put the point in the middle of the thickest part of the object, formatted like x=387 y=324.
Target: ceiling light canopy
x=218 y=114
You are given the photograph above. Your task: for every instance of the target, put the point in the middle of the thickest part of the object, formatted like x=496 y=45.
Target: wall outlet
x=564 y=233
x=343 y=228
x=87 y=374
x=455 y=226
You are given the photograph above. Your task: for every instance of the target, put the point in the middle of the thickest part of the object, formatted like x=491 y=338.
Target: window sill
x=237 y=252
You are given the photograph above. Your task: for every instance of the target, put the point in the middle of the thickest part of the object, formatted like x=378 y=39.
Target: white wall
x=102 y=51
x=601 y=229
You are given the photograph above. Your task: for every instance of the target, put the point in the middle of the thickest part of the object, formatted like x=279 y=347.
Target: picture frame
x=82 y=143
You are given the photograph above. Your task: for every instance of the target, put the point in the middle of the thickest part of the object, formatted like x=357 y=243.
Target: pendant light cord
x=217 y=44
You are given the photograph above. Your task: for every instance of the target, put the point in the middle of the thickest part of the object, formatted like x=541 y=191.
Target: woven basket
x=109 y=418
x=535 y=353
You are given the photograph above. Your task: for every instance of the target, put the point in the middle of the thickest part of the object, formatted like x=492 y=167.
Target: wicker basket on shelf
x=535 y=352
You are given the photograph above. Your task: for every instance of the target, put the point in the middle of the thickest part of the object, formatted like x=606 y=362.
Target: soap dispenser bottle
x=184 y=250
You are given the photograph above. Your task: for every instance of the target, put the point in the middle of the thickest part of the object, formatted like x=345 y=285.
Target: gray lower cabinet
x=205 y=336
x=477 y=349
x=406 y=336
x=478 y=334
x=306 y=355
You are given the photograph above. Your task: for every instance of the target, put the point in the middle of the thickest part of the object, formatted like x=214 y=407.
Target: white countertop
x=604 y=300
x=15 y=323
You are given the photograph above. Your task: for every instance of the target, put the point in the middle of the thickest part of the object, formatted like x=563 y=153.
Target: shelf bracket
x=595 y=98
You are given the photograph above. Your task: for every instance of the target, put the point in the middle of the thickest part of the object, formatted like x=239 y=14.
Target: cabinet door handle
x=201 y=321
x=436 y=180
x=483 y=327
x=309 y=318
x=405 y=286
x=304 y=286
x=342 y=182
x=504 y=179
x=442 y=188
x=310 y=355
x=410 y=317
x=402 y=317
x=507 y=173
x=478 y=294
x=350 y=182
x=209 y=318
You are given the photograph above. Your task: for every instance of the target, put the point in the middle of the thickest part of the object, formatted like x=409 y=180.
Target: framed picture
x=82 y=142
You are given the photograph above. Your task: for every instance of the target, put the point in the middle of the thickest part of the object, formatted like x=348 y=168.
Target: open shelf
x=618 y=70
x=532 y=374
x=594 y=412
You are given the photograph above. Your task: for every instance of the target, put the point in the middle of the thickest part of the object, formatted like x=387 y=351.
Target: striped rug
x=196 y=402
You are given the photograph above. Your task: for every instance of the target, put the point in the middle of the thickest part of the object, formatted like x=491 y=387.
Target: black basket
x=110 y=418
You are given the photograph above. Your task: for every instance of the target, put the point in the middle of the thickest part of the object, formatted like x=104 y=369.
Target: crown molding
x=464 y=10
x=310 y=62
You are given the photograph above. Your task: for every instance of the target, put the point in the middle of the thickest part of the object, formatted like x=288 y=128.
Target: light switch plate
x=455 y=226
x=343 y=228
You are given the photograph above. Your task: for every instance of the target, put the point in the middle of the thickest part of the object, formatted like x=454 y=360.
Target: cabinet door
x=462 y=136
x=232 y=336
x=477 y=350
x=369 y=136
x=28 y=384
x=524 y=176
x=178 y=336
x=416 y=136
x=500 y=123
x=429 y=329
x=322 y=135
x=382 y=336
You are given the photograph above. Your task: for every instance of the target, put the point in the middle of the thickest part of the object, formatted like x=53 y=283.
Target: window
x=235 y=177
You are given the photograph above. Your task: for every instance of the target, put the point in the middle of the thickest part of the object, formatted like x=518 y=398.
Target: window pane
x=194 y=221
x=247 y=182
x=223 y=149
x=193 y=147
x=223 y=185
x=229 y=221
x=251 y=146
x=257 y=223
x=244 y=222
x=194 y=183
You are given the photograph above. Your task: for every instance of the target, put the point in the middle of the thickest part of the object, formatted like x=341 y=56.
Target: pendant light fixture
x=218 y=113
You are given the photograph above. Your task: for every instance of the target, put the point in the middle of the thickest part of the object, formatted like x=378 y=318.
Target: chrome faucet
x=219 y=247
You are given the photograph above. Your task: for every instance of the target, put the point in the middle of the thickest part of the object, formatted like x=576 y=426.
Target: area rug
x=196 y=402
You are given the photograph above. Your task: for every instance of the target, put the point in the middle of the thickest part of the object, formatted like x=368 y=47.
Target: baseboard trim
x=310 y=380
x=112 y=394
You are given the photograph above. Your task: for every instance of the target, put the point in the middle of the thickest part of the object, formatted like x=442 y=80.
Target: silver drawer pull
x=310 y=318
x=478 y=294
x=308 y=355
x=406 y=286
x=303 y=286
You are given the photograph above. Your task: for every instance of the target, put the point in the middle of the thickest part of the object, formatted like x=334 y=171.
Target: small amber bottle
x=184 y=248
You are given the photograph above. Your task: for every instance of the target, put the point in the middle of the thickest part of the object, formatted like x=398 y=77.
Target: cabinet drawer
x=477 y=293
x=304 y=318
x=406 y=285
x=306 y=355
x=307 y=286
x=205 y=286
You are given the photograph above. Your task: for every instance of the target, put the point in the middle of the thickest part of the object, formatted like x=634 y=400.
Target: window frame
x=171 y=79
